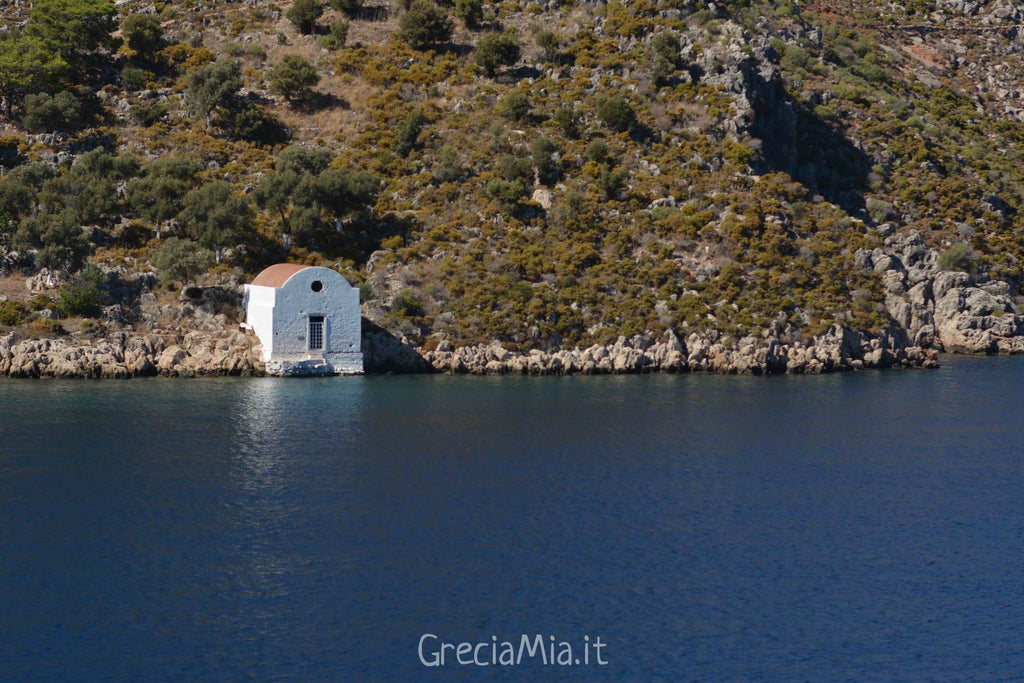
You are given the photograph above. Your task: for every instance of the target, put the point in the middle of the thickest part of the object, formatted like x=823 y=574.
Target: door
x=316 y=333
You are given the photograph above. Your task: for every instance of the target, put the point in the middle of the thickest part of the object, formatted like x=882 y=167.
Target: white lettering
x=434 y=652
x=564 y=649
x=433 y=662
x=538 y=644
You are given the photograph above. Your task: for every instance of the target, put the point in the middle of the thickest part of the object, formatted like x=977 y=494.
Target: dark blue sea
x=853 y=527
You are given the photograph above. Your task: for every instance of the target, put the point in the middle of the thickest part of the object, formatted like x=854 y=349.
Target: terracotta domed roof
x=277 y=274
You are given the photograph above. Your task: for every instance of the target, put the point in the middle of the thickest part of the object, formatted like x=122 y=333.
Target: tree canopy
x=425 y=25
x=143 y=34
x=158 y=196
x=471 y=12
x=180 y=260
x=214 y=216
x=28 y=64
x=213 y=87
x=57 y=239
x=309 y=196
x=293 y=78
x=74 y=28
x=304 y=13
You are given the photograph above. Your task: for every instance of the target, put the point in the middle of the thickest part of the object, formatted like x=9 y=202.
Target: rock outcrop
x=839 y=349
x=948 y=310
x=226 y=353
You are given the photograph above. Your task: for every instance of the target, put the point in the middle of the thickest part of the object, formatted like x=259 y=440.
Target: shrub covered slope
x=541 y=174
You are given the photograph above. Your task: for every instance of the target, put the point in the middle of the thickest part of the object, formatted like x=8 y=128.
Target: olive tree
x=213 y=88
x=214 y=216
x=293 y=78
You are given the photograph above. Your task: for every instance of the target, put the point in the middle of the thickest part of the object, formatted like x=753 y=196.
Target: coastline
x=234 y=353
x=931 y=311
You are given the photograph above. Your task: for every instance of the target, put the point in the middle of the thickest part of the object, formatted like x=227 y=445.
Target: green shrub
x=147 y=112
x=80 y=298
x=547 y=41
x=615 y=113
x=43 y=113
x=293 y=78
x=470 y=11
x=143 y=34
x=250 y=121
x=350 y=8
x=959 y=257
x=515 y=105
x=542 y=154
x=597 y=151
x=303 y=14
x=612 y=182
x=181 y=260
x=407 y=132
x=335 y=40
x=448 y=169
x=424 y=26
x=664 y=56
x=569 y=210
x=47 y=326
x=39 y=301
x=133 y=78
x=11 y=313
x=506 y=192
x=794 y=59
x=405 y=304
x=497 y=49
x=565 y=119
x=510 y=167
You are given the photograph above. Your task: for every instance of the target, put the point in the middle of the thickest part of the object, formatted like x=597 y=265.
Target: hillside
x=541 y=175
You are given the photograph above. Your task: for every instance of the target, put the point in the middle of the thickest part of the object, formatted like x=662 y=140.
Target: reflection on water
x=713 y=528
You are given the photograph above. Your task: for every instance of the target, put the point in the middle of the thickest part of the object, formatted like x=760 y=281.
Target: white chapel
x=308 y=320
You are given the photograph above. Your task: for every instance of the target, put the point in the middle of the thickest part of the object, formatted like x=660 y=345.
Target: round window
x=316 y=285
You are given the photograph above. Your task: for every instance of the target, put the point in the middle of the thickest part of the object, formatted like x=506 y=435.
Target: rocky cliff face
x=942 y=309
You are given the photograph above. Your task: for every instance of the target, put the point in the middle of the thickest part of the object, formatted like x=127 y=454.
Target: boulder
x=172 y=357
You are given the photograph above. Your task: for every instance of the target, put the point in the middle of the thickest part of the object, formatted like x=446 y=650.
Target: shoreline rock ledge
x=839 y=349
x=124 y=356
x=235 y=353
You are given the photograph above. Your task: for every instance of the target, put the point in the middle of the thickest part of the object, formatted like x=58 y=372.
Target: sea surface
x=864 y=526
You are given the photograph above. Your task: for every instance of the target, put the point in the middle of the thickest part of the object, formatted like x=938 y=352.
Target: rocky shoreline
x=196 y=354
x=840 y=349
x=199 y=354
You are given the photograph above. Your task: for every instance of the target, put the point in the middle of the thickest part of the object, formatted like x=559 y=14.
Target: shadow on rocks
x=383 y=352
